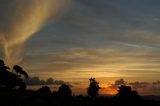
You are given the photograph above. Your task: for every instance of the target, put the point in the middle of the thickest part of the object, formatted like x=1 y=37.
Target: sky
x=73 y=40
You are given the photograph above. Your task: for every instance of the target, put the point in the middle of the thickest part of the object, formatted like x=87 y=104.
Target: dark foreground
x=34 y=98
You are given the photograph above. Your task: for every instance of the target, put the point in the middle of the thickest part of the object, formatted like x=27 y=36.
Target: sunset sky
x=73 y=40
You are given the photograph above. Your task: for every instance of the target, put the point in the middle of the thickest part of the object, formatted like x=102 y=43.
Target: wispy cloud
x=100 y=38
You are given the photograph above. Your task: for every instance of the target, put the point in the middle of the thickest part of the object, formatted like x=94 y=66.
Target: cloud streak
x=94 y=38
x=20 y=20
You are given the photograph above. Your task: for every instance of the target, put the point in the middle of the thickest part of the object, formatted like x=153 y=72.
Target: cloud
x=108 y=40
x=18 y=23
x=49 y=81
x=118 y=83
x=113 y=21
x=109 y=60
x=136 y=85
x=103 y=35
x=152 y=88
x=143 y=88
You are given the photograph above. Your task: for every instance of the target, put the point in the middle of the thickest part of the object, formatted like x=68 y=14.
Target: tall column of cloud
x=20 y=19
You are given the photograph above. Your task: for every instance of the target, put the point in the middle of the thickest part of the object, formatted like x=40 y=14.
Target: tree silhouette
x=44 y=91
x=10 y=80
x=93 y=88
x=126 y=93
x=19 y=71
x=3 y=67
x=64 y=90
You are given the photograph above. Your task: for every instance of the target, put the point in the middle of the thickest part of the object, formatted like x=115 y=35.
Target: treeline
x=13 y=93
x=63 y=97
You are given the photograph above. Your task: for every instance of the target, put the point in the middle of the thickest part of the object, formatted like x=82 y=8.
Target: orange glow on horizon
x=108 y=91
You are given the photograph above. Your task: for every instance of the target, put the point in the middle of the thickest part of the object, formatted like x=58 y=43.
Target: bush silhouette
x=44 y=91
x=93 y=88
x=126 y=93
x=64 y=90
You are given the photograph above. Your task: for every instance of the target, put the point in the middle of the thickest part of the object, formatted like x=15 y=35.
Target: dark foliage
x=10 y=80
x=10 y=96
x=32 y=98
x=93 y=88
x=126 y=96
x=20 y=71
x=44 y=91
x=64 y=90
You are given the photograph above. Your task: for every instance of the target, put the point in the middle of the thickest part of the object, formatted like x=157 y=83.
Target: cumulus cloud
x=137 y=84
x=147 y=88
x=117 y=83
x=49 y=81
x=144 y=88
x=120 y=82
